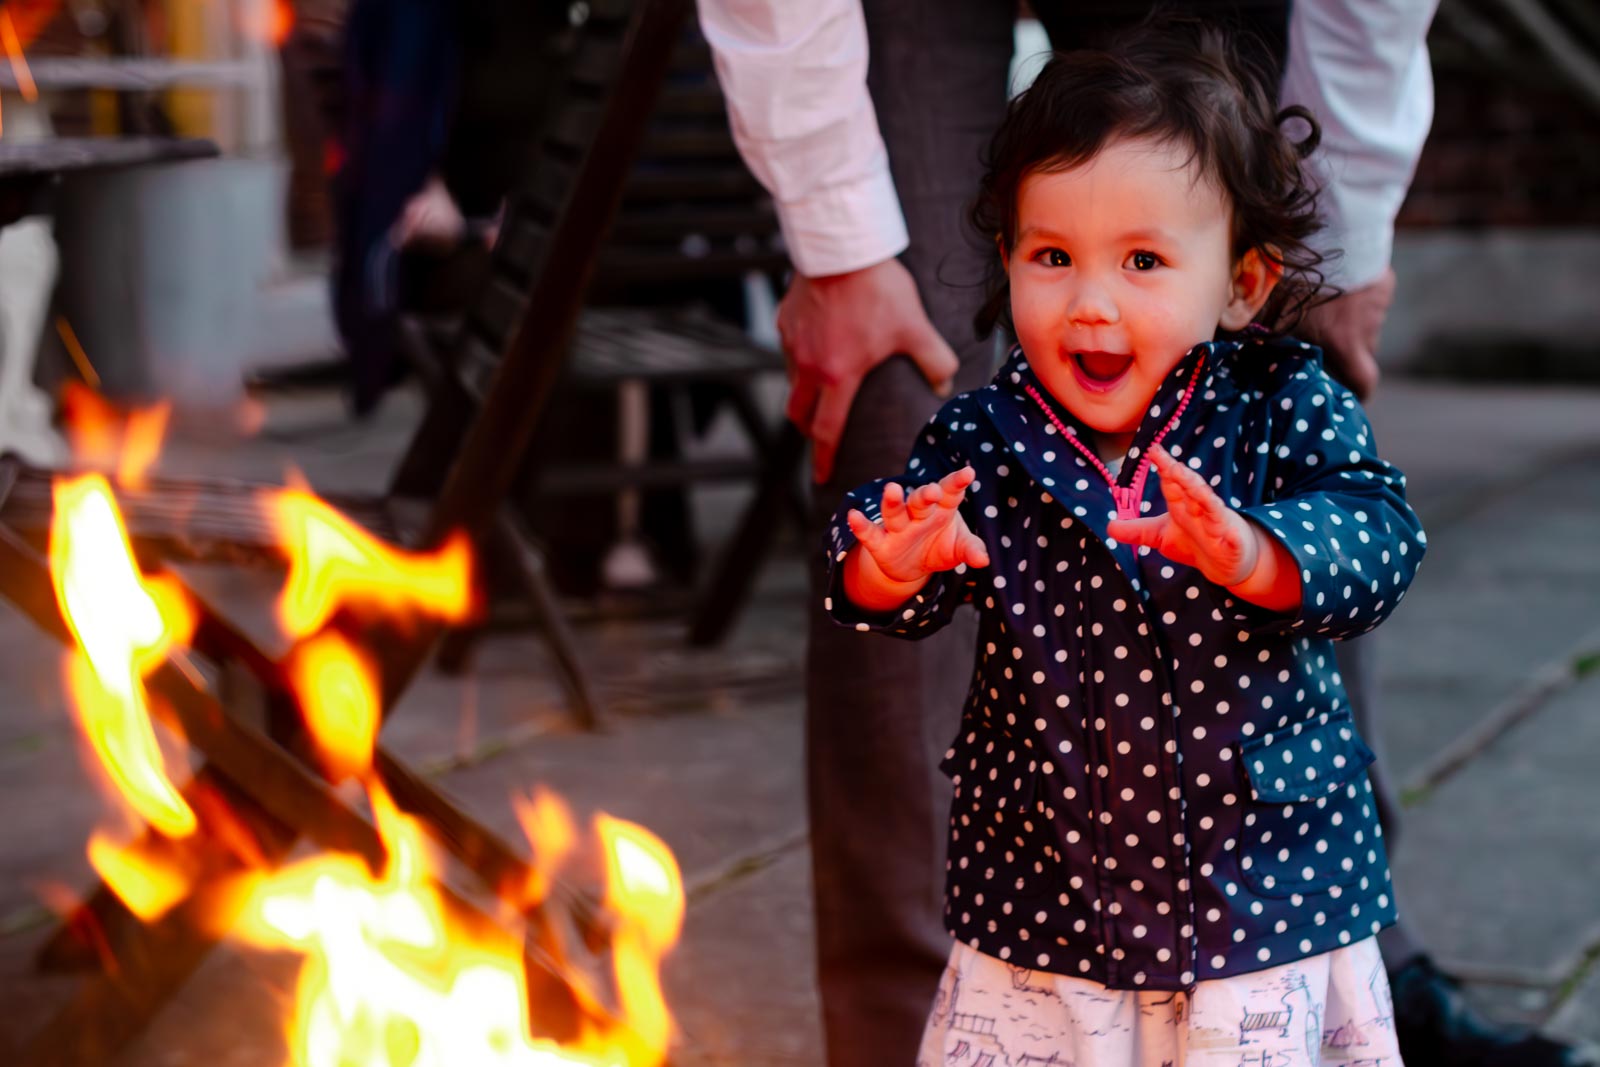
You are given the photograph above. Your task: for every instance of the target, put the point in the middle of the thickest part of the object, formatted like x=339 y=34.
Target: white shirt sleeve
x=1361 y=67
x=794 y=73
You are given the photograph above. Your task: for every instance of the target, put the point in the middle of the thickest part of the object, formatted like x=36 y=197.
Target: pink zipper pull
x=1127 y=498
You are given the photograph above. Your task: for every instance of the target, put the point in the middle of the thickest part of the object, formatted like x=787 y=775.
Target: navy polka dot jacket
x=1155 y=782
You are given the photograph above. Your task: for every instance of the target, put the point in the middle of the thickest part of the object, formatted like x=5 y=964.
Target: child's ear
x=1005 y=256
x=1254 y=278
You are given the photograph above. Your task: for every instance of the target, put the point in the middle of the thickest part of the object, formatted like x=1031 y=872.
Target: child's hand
x=1202 y=531
x=923 y=534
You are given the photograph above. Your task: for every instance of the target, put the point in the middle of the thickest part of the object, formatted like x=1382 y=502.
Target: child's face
x=1121 y=265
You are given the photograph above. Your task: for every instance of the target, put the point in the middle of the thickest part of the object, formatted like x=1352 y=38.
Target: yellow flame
x=148 y=883
x=124 y=624
x=390 y=980
x=340 y=703
x=333 y=562
x=645 y=890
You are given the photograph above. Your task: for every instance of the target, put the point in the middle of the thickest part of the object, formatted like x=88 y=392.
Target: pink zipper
x=1129 y=498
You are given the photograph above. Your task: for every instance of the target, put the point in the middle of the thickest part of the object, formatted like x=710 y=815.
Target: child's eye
x=1054 y=257
x=1143 y=261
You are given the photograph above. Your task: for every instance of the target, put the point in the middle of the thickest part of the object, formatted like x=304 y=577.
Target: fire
x=645 y=890
x=332 y=562
x=107 y=438
x=391 y=979
x=147 y=881
x=19 y=63
x=548 y=825
x=396 y=972
x=124 y=625
x=28 y=18
x=269 y=22
x=339 y=700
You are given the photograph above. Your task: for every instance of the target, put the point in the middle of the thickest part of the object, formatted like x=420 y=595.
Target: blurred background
x=311 y=229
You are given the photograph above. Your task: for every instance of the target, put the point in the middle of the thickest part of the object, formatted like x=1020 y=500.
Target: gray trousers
x=880 y=711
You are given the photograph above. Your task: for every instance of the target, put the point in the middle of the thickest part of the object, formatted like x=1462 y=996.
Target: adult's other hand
x=1347 y=328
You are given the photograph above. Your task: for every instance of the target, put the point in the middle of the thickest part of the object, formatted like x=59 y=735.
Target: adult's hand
x=1347 y=328
x=837 y=328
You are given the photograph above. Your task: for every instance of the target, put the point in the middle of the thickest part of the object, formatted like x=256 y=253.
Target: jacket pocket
x=1001 y=838
x=1311 y=820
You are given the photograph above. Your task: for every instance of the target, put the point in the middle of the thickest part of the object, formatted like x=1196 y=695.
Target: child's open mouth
x=1100 y=372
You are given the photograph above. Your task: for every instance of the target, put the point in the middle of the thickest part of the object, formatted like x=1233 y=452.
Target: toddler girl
x=1163 y=844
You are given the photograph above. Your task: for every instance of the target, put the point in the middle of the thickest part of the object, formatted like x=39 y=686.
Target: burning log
x=201 y=865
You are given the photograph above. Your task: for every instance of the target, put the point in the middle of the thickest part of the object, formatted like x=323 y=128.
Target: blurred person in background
x=442 y=103
x=865 y=119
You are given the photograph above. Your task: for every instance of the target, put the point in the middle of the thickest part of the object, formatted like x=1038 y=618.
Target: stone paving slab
x=1579 y=1018
x=742 y=982
x=1499 y=865
x=1452 y=440
x=1500 y=594
x=714 y=786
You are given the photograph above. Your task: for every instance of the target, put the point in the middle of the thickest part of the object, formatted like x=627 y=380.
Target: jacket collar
x=1058 y=466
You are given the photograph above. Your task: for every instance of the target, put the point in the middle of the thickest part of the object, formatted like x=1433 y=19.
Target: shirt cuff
x=1363 y=256
x=843 y=228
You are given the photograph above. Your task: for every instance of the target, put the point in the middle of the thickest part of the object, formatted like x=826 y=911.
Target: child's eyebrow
x=1043 y=233
x=1150 y=234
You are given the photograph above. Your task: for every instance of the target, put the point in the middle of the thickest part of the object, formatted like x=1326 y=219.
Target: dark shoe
x=1438 y=1028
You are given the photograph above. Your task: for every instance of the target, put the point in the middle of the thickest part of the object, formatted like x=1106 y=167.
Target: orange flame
x=124 y=624
x=339 y=701
x=30 y=18
x=391 y=979
x=547 y=822
x=333 y=562
x=19 y=62
x=645 y=890
x=394 y=976
x=148 y=882
x=107 y=438
x=270 y=22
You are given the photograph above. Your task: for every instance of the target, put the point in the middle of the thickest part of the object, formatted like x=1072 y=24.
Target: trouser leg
x=879 y=710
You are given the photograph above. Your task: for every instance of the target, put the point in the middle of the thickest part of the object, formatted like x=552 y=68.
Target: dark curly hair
x=1177 y=79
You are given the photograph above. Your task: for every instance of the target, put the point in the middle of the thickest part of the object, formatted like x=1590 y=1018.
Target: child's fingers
x=893 y=507
x=1146 y=531
x=1186 y=491
x=924 y=499
x=867 y=532
x=974 y=553
x=1161 y=533
x=953 y=486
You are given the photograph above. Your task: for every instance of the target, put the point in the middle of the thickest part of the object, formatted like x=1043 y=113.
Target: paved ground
x=1488 y=677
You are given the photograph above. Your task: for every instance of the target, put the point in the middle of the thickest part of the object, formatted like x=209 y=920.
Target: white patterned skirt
x=1333 y=1008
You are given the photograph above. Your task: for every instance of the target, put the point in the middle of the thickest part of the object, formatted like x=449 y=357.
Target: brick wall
x=1506 y=149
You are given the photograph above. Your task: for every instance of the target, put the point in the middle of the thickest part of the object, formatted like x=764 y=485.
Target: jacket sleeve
x=934 y=456
x=1339 y=510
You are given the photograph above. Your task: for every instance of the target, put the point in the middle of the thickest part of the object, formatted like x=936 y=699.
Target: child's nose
x=1090 y=305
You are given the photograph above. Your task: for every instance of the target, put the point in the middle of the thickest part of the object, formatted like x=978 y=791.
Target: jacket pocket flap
x=1286 y=767
x=985 y=765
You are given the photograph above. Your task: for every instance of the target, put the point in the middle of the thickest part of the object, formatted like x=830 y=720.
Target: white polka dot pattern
x=1157 y=783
